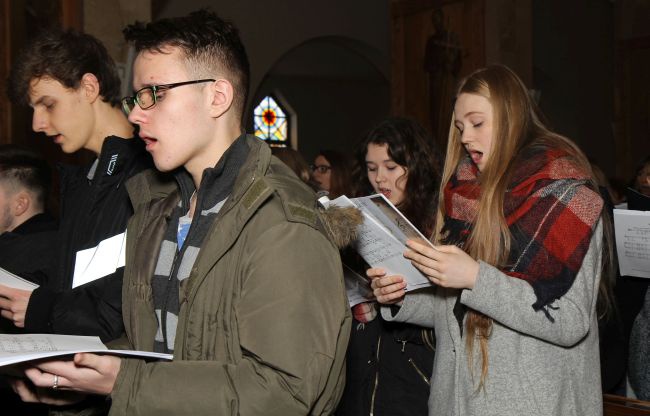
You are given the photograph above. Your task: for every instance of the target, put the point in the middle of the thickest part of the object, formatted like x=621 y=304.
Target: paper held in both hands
x=23 y=348
x=381 y=241
x=632 y=231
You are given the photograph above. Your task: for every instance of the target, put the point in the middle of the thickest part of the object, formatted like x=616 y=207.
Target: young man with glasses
x=72 y=85
x=229 y=267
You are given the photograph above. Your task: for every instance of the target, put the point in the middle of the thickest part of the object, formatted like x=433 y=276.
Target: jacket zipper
x=419 y=371
x=190 y=297
x=175 y=267
x=374 y=390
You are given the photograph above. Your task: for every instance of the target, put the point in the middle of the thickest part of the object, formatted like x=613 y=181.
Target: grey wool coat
x=536 y=367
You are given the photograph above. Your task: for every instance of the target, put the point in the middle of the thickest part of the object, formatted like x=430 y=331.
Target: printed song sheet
x=382 y=236
x=632 y=231
x=27 y=347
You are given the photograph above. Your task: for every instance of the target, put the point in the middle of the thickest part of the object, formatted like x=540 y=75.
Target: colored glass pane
x=270 y=121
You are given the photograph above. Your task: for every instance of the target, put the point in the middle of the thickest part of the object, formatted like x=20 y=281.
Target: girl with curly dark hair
x=389 y=364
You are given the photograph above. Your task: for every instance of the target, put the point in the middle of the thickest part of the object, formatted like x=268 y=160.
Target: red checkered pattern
x=551 y=213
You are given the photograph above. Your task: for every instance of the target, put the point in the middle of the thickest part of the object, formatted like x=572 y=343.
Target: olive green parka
x=264 y=320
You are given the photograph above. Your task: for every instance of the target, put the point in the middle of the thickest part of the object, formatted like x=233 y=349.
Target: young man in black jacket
x=27 y=230
x=71 y=83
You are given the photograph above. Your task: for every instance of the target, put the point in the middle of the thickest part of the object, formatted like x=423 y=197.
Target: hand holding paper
x=13 y=304
x=46 y=395
x=87 y=372
x=388 y=290
x=446 y=266
x=382 y=236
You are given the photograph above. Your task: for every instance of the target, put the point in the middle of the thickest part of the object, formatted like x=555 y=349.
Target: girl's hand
x=387 y=289
x=446 y=266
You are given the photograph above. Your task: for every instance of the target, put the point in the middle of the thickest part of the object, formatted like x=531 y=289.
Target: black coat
x=30 y=247
x=91 y=211
x=389 y=366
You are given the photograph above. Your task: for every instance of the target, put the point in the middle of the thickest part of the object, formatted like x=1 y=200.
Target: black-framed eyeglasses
x=320 y=168
x=147 y=97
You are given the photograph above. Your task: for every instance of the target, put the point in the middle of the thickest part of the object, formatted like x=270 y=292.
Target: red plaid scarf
x=551 y=214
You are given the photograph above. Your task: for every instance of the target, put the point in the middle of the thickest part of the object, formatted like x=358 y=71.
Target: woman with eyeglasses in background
x=332 y=173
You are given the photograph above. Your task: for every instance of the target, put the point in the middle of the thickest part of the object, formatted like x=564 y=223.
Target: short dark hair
x=25 y=169
x=64 y=56
x=209 y=43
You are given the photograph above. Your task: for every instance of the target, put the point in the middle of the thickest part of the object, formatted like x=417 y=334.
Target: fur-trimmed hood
x=341 y=224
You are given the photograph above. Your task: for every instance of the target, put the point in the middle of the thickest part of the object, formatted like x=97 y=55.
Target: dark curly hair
x=409 y=146
x=64 y=56
x=211 y=46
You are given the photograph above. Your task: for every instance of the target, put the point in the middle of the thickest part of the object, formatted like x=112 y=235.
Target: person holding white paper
x=230 y=266
x=72 y=84
x=388 y=363
x=518 y=265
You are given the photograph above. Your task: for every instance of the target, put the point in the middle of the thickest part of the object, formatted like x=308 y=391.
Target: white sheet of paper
x=357 y=287
x=381 y=237
x=27 y=347
x=99 y=261
x=632 y=232
x=9 y=279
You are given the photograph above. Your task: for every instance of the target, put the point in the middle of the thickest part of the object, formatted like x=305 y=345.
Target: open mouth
x=148 y=141
x=476 y=156
x=385 y=191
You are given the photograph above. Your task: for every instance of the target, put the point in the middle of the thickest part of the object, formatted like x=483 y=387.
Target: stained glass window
x=271 y=122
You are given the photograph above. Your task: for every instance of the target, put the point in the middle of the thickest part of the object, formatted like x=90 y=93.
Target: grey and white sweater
x=536 y=367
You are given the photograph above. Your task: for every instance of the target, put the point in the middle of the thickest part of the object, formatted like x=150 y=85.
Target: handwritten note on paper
x=632 y=231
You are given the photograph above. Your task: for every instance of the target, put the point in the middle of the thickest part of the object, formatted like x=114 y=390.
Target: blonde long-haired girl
x=518 y=264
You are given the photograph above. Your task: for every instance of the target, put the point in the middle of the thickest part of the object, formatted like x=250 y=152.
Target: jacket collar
x=36 y=224
x=152 y=184
x=116 y=154
x=216 y=182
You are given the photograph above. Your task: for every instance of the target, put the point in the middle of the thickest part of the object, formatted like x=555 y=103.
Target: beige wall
x=106 y=19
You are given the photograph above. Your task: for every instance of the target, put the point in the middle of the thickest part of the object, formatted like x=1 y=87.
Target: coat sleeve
x=418 y=308
x=293 y=324
x=93 y=309
x=509 y=300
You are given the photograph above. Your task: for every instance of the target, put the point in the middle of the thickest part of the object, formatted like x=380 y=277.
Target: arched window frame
x=289 y=114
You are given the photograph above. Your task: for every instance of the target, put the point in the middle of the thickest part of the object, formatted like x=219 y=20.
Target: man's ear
x=90 y=87
x=222 y=94
x=21 y=203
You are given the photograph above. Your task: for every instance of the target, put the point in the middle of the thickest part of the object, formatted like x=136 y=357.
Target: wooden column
x=434 y=44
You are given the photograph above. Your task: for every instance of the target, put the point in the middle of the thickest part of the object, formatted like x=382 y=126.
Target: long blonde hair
x=516 y=124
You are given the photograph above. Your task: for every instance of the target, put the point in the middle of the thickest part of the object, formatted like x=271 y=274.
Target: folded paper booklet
x=632 y=232
x=381 y=238
x=23 y=348
x=356 y=286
